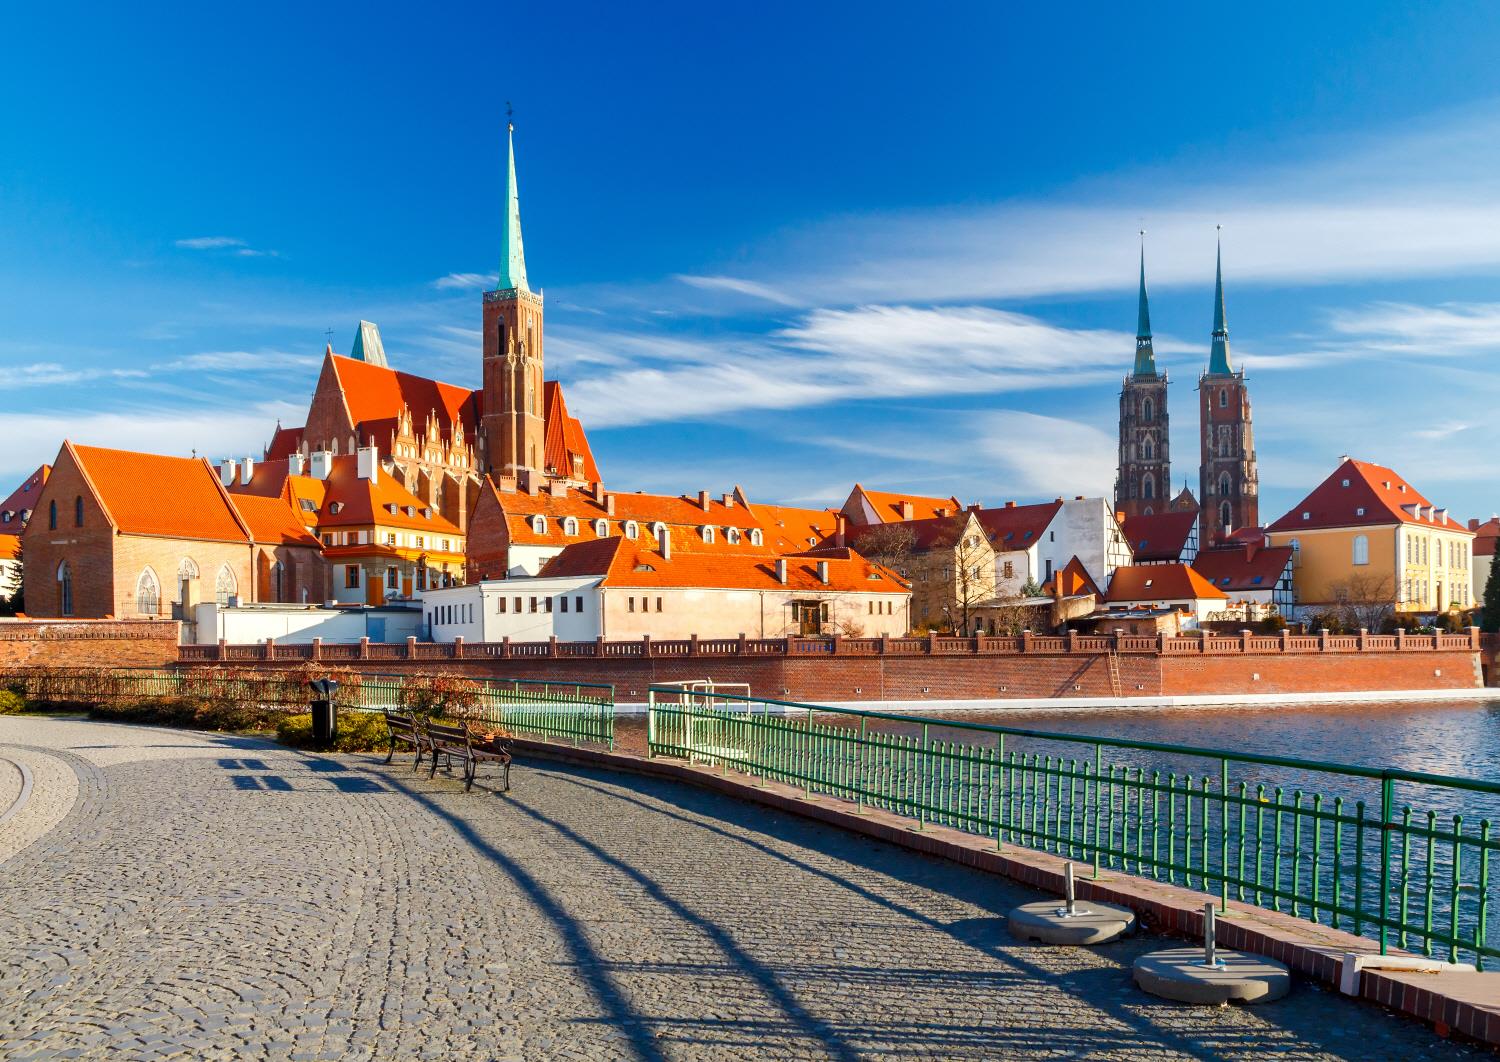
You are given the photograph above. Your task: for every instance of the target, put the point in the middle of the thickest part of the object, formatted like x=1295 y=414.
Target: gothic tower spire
x=1218 y=358
x=1144 y=479
x=512 y=255
x=1145 y=357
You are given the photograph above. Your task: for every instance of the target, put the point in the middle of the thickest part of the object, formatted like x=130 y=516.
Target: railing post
x=645 y=645
x=552 y=646
x=650 y=724
x=270 y=650
x=931 y=642
x=1224 y=831
x=411 y=646
x=221 y=654
x=1474 y=638
x=978 y=642
x=317 y=648
x=1202 y=641
x=692 y=645
x=1286 y=641
x=740 y=647
x=1361 y=642
x=599 y=647
x=885 y=642
x=505 y=648
x=859 y=758
x=1161 y=643
x=1400 y=639
x=1323 y=640
x=1244 y=639
x=837 y=643
x=1116 y=639
x=1026 y=640
x=1387 y=798
x=458 y=647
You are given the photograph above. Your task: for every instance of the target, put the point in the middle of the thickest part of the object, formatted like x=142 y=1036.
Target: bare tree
x=888 y=545
x=966 y=563
x=1365 y=602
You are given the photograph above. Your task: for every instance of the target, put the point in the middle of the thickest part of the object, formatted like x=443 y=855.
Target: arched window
x=1148 y=410
x=64 y=586
x=147 y=594
x=1225 y=513
x=78 y=511
x=732 y=536
x=1148 y=487
x=570 y=526
x=657 y=528
x=601 y=528
x=1361 y=549
x=52 y=517
x=539 y=525
x=707 y=532
x=224 y=586
x=756 y=538
x=1147 y=450
x=1224 y=485
x=278 y=582
x=1225 y=442
x=632 y=529
x=1223 y=398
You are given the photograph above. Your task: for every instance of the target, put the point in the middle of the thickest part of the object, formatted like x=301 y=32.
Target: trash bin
x=324 y=714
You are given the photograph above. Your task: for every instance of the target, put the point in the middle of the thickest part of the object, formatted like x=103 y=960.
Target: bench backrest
x=457 y=735
x=405 y=723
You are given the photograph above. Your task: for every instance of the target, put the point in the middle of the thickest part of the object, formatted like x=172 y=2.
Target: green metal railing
x=1393 y=855
x=579 y=712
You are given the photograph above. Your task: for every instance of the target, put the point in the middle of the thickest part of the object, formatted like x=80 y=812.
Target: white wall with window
x=1085 y=528
x=521 y=609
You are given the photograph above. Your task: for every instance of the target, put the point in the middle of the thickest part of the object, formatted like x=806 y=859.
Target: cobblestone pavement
x=216 y=897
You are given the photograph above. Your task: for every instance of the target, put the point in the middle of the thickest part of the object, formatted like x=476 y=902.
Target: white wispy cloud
x=47 y=373
x=466 y=282
x=1039 y=455
x=210 y=243
x=239 y=361
x=738 y=286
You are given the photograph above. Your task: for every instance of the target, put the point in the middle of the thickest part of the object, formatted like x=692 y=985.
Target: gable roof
x=890 y=506
x=362 y=501
x=1160 y=536
x=1015 y=527
x=1073 y=581
x=1243 y=568
x=10 y=547
x=152 y=494
x=22 y=500
x=626 y=563
x=272 y=521
x=1486 y=535
x=284 y=443
x=375 y=394
x=1160 y=582
x=565 y=438
x=789 y=529
x=1384 y=497
x=938 y=532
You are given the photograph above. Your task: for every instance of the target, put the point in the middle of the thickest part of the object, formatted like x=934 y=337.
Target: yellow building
x=1365 y=535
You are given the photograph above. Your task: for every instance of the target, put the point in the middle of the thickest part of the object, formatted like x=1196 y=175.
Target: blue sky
x=787 y=246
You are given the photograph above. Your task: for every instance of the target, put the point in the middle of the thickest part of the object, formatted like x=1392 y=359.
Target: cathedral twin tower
x=1227 y=480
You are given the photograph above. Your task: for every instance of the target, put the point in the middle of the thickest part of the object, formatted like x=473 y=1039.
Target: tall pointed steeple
x=1145 y=357
x=512 y=257
x=1218 y=359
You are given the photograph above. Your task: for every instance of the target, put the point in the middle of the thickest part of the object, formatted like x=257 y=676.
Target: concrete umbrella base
x=1090 y=923
x=1180 y=974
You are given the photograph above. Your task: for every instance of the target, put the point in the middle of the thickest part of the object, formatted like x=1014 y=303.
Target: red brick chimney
x=907 y=511
x=703 y=499
x=843 y=528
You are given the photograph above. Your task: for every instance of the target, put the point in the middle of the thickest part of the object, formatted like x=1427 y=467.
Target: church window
x=1224 y=515
x=1147 y=450
x=632 y=529
x=570 y=526
x=224 y=586
x=1224 y=487
x=278 y=581
x=147 y=594
x=539 y=525
x=1223 y=398
x=52 y=517
x=78 y=511
x=500 y=336
x=1147 y=410
x=1361 y=549
x=1148 y=487
x=64 y=586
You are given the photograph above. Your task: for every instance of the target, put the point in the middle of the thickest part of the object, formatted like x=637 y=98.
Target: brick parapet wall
x=88 y=643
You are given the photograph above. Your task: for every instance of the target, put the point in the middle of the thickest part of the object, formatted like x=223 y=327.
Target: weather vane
x=508 y=113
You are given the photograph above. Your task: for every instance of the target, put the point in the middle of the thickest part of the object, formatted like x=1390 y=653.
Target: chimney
x=368 y=463
x=703 y=499
x=1473 y=524
x=599 y=493
x=976 y=508
x=558 y=488
x=1119 y=516
x=228 y=472
x=665 y=541
x=247 y=469
x=533 y=482
x=781 y=570
x=907 y=511
x=294 y=463
x=823 y=572
x=1010 y=505
x=320 y=463
x=1078 y=497
x=609 y=504
x=729 y=501
x=843 y=529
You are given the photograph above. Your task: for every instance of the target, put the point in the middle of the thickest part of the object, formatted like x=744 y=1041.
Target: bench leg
x=507 y=777
x=433 y=773
x=470 y=770
x=392 y=754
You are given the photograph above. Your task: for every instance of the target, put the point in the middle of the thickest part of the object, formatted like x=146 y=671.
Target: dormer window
x=427 y=514
x=539 y=525
x=756 y=538
x=1307 y=516
x=1360 y=511
x=632 y=529
x=411 y=510
x=570 y=526
x=392 y=508
x=707 y=532
x=1345 y=483
x=732 y=536
x=334 y=508
x=601 y=528
x=657 y=529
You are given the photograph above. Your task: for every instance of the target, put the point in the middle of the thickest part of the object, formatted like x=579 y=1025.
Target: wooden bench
x=405 y=729
x=458 y=742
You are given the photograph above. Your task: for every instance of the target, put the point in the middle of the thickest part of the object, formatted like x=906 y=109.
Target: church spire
x=1145 y=357
x=1218 y=359
x=512 y=257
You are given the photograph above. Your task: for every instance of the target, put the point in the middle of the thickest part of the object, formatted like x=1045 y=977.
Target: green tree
x=13 y=587
x=1492 y=600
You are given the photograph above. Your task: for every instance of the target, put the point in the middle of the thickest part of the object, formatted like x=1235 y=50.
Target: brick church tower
x=1229 y=488
x=1144 y=478
x=514 y=432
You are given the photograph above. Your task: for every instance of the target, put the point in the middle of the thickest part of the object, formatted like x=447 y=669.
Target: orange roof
x=1160 y=582
x=375 y=393
x=1160 y=536
x=284 y=443
x=790 y=529
x=645 y=509
x=1073 y=581
x=1243 y=567
x=889 y=506
x=360 y=501
x=151 y=494
x=10 y=547
x=1360 y=494
x=22 y=500
x=565 y=438
x=273 y=522
x=626 y=563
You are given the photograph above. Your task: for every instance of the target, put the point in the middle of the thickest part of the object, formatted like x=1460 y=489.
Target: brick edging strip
x=1467 y=1003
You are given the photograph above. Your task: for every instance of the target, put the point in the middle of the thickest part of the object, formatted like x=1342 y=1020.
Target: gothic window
x=1147 y=410
x=224 y=586
x=187 y=571
x=1225 y=514
x=1223 y=398
x=147 y=594
x=278 y=581
x=64 y=586
x=1224 y=484
x=1224 y=441
x=52 y=517
x=499 y=336
x=1148 y=487
x=1361 y=549
x=1147 y=450
x=78 y=511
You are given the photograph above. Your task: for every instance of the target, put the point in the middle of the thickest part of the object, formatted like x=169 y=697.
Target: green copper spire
x=1218 y=359
x=512 y=257
x=1145 y=357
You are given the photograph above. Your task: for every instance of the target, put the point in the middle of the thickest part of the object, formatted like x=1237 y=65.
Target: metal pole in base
x=1210 y=952
x=1069 y=909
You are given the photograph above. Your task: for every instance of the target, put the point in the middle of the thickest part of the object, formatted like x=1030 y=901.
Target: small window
x=658 y=604
x=1361 y=549
x=500 y=605
x=570 y=526
x=64 y=583
x=1223 y=398
x=518 y=606
x=539 y=525
x=756 y=538
x=578 y=603
x=632 y=529
x=78 y=511
x=601 y=528
x=533 y=604
x=52 y=520
x=1360 y=511
x=631 y=600
x=546 y=604
x=391 y=577
x=351 y=577
x=707 y=532
x=562 y=603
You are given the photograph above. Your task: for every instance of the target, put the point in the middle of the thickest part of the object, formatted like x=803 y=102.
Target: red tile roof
x=375 y=393
x=625 y=563
x=22 y=500
x=151 y=494
x=272 y=521
x=645 y=509
x=937 y=532
x=1384 y=497
x=284 y=443
x=1159 y=582
x=1017 y=527
x=1160 y=536
x=1485 y=536
x=361 y=502
x=888 y=505
x=565 y=437
x=789 y=529
x=1243 y=568
x=1073 y=581
x=10 y=547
